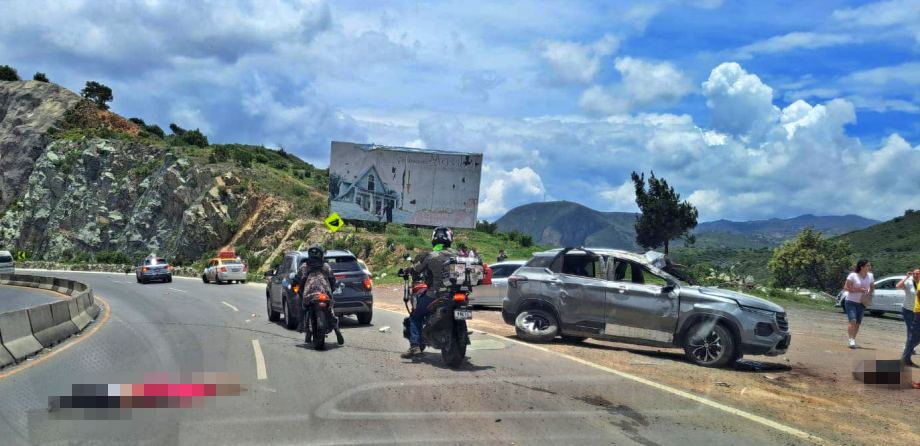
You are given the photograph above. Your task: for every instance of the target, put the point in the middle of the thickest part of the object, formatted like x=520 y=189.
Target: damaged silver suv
x=613 y=295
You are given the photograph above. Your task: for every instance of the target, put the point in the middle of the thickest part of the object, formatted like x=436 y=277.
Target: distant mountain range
x=565 y=223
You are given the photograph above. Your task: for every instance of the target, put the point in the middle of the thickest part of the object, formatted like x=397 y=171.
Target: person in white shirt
x=859 y=283
x=909 y=285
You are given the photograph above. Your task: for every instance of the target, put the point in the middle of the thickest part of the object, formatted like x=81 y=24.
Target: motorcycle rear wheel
x=455 y=353
x=319 y=332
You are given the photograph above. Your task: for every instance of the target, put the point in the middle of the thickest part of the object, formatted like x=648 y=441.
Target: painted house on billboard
x=370 y=193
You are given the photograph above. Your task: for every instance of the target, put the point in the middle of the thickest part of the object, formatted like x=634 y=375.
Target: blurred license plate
x=463 y=314
x=236 y=270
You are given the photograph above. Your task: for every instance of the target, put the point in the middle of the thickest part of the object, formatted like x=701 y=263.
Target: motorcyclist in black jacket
x=435 y=267
x=314 y=276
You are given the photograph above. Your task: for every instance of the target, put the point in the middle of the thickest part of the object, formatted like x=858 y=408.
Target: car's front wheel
x=877 y=313
x=710 y=344
x=204 y=278
x=365 y=318
x=536 y=325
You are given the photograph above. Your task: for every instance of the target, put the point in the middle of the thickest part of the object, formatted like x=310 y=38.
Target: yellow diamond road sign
x=334 y=222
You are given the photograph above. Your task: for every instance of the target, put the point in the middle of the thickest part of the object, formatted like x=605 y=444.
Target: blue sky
x=750 y=109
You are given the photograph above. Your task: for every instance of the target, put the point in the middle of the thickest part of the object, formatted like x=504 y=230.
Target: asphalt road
x=360 y=393
x=14 y=298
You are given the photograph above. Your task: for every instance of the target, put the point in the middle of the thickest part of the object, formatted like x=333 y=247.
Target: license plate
x=463 y=314
x=236 y=270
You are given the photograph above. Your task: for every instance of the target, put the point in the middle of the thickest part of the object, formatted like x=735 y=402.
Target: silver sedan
x=492 y=295
x=887 y=297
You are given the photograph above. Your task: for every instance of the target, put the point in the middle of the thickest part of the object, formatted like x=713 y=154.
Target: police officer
x=436 y=269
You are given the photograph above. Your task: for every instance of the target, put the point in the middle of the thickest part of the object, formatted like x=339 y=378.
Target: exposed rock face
x=27 y=110
x=62 y=197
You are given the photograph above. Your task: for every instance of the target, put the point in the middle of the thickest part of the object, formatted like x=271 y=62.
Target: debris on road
x=723 y=384
x=771 y=378
x=385 y=329
x=253 y=315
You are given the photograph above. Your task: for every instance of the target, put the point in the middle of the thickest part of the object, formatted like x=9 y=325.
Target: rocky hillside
x=564 y=223
x=77 y=181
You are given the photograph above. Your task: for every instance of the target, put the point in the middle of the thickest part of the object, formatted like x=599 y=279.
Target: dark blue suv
x=355 y=298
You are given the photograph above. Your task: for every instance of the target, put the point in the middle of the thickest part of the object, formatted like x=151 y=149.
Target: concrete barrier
x=43 y=327
x=5 y=357
x=25 y=332
x=16 y=334
x=80 y=317
x=60 y=311
x=63 y=286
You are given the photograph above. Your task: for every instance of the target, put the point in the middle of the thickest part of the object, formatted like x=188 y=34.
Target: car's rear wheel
x=272 y=314
x=243 y=282
x=289 y=320
x=710 y=344
x=365 y=318
x=169 y=279
x=536 y=325
x=204 y=278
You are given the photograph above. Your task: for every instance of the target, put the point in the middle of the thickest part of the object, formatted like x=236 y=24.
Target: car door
x=581 y=287
x=887 y=297
x=637 y=305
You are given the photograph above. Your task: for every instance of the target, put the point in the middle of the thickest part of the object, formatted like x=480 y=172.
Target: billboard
x=404 y=185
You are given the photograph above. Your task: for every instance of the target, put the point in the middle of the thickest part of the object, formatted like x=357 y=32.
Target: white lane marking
x=231 y=306
x=181 y=291
x=250 y=284
x=755 y=418
x=260 y=360
x=118 y=281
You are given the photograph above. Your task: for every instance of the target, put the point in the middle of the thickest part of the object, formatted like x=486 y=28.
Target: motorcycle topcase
x=460 y=266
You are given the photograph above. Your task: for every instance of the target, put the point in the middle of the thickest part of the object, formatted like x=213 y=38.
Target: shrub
x=261 y=159
x=221 y=153
x=526 y=240
x=8 y=73
x=195 y=138
x=140 y=122
x=176 y=130
x=278 y=164
x=243 y=157
x=239 y=189
x=39 y=76
x=156 y=130
x=318 y=210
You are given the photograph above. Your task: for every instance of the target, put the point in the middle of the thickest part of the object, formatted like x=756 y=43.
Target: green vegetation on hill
x=893 y=247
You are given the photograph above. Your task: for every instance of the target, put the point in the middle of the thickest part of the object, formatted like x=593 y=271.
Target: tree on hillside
x=8 y=73
x=39 y=76
x=156 y=130
x=195 y=138
x=664 y=217
x=811 y=261
x=485 y=226
x=176 y=130
x=98 y=93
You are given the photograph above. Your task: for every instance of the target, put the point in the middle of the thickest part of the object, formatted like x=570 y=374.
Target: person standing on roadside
x=501 y=256
x=914 y=337
x=909 y=285
x=860 y=283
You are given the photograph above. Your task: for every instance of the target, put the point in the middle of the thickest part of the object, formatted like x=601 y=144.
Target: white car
x=492 y=295
x=887 y=298
x=6 y=263
x=224 y=270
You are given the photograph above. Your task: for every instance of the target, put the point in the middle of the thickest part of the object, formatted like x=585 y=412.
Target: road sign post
x=334 y=223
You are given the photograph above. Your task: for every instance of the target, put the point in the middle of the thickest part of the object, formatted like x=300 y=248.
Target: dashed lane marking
x=260 y=360
x=181 y=291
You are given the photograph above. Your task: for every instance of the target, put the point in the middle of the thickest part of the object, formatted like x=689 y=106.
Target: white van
x=6 y=263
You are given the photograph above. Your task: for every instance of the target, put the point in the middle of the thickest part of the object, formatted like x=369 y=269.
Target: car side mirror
x=269 y=273
x=667 y=289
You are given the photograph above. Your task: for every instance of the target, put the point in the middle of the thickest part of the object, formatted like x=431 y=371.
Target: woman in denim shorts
x=860 y=282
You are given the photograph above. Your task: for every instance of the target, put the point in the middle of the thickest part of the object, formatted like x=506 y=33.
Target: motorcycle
x=321 y=320
x=445 y=326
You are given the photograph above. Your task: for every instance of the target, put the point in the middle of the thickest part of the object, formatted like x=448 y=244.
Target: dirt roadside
x=811 y=388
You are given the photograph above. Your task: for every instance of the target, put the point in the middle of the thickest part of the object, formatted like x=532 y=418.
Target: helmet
x=316 y=251
x=442 y=235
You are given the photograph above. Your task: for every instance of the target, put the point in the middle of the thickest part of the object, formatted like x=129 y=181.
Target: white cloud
x=188 y=117
x=880 y=105
x=479 y=83
x=793 y=41
x=622 y=198
x=707 y=201
x=575 y=62
x=645 y=84
x=507 y=189
x=904 y=74
x=741 y=104
x=886 y=13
